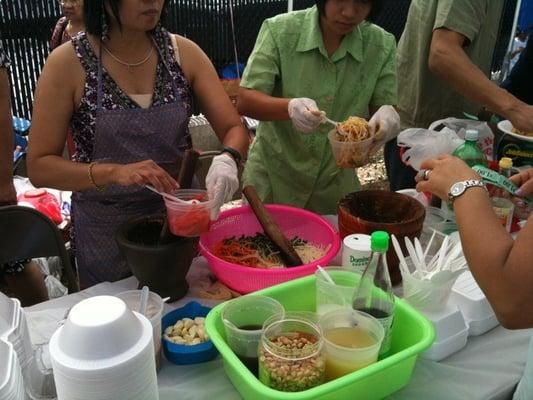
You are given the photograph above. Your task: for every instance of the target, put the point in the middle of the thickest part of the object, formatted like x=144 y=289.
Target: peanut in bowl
x=184 y=346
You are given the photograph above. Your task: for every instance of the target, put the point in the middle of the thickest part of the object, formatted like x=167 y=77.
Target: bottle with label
x=501 y=198
x=374 y=294
x=469 y=151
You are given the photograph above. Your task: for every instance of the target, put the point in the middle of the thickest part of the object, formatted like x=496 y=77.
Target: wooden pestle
x=271 y=228
x=185 y=177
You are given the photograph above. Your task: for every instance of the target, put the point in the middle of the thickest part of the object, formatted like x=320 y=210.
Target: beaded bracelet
x=91 y=178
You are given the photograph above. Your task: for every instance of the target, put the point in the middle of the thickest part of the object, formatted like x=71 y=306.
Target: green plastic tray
x=412 y=334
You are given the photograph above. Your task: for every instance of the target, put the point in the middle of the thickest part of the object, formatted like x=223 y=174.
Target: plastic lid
x=506 y=163
x=35 y=193
x=471 y=134
x=379 y=241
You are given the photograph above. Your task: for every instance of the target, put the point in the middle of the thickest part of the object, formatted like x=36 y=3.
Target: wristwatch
x=233 y=153
x=458 y=188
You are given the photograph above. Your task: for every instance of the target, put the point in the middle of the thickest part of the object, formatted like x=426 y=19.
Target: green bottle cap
x=379 y=241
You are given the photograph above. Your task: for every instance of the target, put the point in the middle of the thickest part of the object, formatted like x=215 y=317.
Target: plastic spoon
x=400 y=255
x=336 y=124
x=325 y=275
x=165 y=195
x=442 y=253
x=412 y=253
x=420 y=253
x=454 y=252
x=429 y=244
x=144 y=300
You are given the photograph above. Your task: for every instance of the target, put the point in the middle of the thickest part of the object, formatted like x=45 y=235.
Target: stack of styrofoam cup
x=14 y=331
x=11 y=381
x=104 y=351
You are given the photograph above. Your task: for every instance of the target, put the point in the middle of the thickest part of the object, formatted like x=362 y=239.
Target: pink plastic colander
x=242 y=221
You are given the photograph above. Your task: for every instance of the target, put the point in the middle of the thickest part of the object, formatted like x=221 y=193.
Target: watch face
x=457 y=189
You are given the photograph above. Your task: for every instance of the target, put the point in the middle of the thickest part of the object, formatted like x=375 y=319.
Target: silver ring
x=425 y=174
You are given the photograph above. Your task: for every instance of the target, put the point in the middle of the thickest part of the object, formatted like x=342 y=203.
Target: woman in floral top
x=125 y=89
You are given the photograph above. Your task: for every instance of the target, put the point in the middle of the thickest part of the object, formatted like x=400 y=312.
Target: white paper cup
x=356 y=252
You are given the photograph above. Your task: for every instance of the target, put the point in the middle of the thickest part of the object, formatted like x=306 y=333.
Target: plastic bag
x=460 y=126
x=423 y=144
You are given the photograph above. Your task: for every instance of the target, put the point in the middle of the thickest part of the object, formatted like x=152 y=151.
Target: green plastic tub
x=412 y=334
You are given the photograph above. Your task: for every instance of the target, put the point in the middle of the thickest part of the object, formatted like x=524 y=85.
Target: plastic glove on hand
x=384 y=126
x=222 y=181
x=305 y=115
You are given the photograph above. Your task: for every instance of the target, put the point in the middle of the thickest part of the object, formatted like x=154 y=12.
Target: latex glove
x=305 y=115
x=222 y=181
x=384 y=126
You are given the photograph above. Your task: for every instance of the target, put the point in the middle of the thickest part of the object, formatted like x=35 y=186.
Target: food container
x=356 y=252
x=154 y=311
x=474 y=306
x=412 y=334
x=352 y=341
x=337 y=296
x=187 y=354
x=44 y=202
x=243 y=322
x=242 y=221
x=191 y=216
x=451 y=333
x=350 y=154
x=291 y=357
x=367 y=211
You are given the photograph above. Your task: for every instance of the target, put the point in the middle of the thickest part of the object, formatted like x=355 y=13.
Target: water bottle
x=374 y=294
x=469 y=151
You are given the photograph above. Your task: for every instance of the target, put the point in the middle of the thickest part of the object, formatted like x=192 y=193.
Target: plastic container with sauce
x=352 y=341
x=191 y=216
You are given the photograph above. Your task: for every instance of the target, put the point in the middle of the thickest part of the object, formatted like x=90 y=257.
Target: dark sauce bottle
x=374 y=294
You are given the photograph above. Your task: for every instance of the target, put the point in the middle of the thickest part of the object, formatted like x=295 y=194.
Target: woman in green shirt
x=328 y=57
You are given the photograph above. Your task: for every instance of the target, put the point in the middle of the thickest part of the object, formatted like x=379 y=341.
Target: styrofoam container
x=451 y=333
x=473 y=303
x=104 y=350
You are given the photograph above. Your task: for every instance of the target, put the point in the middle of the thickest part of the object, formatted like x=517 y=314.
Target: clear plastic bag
x=460 y=126
x=422 y=144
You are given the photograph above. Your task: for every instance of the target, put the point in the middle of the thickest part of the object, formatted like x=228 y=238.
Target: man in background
x=444 y=59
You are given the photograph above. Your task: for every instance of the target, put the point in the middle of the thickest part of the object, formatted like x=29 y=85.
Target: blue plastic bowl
x=182 y=354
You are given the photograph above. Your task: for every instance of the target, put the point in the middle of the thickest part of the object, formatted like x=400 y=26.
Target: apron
x=122 y=137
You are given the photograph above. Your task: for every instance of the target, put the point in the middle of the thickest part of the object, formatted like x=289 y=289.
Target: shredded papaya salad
x=258 y=251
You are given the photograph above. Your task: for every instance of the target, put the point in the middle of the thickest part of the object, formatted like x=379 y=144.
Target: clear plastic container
x=291 y=357
x=191 y=216
x=350 y=154
x=331 y=297
x=352 y=341
x=154 y=311
x=504 y=209
x=43 y=202
x=243 y=322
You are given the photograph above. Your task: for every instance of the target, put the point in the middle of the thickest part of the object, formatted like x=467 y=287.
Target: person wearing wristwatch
x=502 y=267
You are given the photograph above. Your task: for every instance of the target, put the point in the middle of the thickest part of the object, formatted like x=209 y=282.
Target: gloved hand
x=222 y=181
x=305 y=115
x=384 y=126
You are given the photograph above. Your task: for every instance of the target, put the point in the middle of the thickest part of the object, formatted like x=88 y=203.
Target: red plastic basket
x=292 y=221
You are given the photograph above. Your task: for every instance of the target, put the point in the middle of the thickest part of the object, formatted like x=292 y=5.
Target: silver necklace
x=130 y=65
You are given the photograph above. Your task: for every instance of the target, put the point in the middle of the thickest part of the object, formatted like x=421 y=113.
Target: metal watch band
x=466 y=185
x=233 y=153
